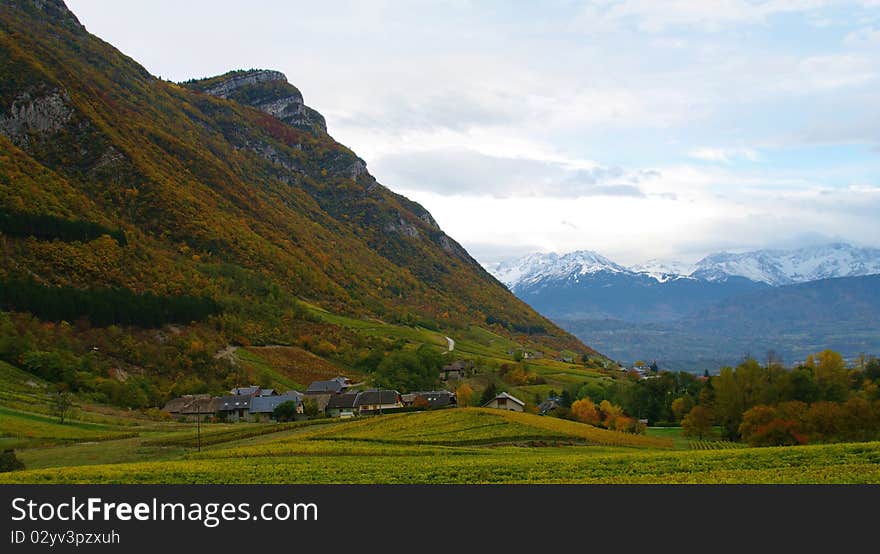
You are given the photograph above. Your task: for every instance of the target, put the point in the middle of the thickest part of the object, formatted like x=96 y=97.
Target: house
x=333 y=386
x=234 y=407
x=190 y=407
x=549 y=405
x=262 y=407
x=433 y=399
x=456 y=370
x=371 y=401
x=342 y=405
x=505 y=401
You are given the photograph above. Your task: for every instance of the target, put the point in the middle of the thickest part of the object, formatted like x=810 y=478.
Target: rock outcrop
x=30 y=113
x=266 y=90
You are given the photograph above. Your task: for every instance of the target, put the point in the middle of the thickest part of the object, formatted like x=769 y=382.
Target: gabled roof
x=548 y=405
x=437 y=398
x=267 y=404
x=233 y=402
x=374 y=397
x=248 y=391
x=507 y=396
x=345 y=400
x=323 y=387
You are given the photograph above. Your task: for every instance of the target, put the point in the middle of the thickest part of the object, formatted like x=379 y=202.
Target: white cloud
x=723 y=155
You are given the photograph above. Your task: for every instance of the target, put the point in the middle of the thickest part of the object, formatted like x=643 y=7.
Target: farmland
x=447 y=446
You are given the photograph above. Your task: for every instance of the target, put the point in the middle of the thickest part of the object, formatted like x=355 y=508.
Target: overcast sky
x=637 y=128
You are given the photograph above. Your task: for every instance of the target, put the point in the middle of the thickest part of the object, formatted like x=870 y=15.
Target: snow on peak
x=774 y=267
x=538 y=266
x=662 y=270
x=786 y=267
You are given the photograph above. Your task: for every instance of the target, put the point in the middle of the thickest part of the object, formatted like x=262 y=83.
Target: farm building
x=375 y=400
x=505 y=401
x=234 y=407
x=333 y=386
x=190 y=407
x=456 y=370
x=342 y=405
x=430 y=399
x=262 y=407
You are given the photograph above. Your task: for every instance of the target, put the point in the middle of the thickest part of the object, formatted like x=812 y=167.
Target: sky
x=640 y=129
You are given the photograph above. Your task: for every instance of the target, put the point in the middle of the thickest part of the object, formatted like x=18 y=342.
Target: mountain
x=793 y=321
x=585 y=284
x=786 y=267
x=712 y=313
x=663 y=270
x=219 y=206
x=536 y=268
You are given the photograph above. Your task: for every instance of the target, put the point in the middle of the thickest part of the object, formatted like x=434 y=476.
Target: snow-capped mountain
x=786 y=267
x=704 y=315
x=773 y=267
x=536 y=267
x=663 y=271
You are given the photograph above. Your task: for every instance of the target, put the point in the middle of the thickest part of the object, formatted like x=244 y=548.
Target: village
x=336 y=398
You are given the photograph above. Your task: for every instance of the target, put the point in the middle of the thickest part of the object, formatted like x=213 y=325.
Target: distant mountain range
x=772 y=267
x=713 y=312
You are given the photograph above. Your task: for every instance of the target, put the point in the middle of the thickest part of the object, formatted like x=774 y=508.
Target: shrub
x=10 y=462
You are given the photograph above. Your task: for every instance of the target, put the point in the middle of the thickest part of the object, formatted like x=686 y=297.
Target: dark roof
x=459 y=365
x=372 y=397
x=549 y=405
x=233 y=402
x=438 y=398
x=175 y=405
x=267 y=392
x=323 y=387
x=267 y=404
x=346 y=400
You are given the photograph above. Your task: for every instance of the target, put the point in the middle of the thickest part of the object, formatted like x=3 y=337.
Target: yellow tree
x=681 y=406
x=698 y=422
x=463 y=394
x=585 y=411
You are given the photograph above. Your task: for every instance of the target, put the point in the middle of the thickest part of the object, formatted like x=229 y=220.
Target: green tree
x=9 y=461
x=286 y=411
x=310 y=407
x=61 y=405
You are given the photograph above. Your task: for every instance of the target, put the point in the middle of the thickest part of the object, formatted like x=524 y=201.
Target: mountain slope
x=228 y=188
x=793 y=321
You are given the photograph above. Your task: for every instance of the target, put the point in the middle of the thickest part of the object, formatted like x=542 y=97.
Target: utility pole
x=199 y=422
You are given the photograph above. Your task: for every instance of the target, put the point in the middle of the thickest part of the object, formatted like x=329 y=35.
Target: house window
x=502 y=402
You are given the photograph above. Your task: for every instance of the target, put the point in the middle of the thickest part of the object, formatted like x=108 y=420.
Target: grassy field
x=448 y=446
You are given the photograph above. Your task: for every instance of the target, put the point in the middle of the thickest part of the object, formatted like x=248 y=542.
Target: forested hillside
x=145 y=225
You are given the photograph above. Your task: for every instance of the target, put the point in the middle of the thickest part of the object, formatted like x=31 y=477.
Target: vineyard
x=841 y=463
x=714 y=445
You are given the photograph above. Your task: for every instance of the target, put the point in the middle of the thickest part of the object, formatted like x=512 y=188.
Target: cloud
x=723 y=155
x=863 y=38
x=455 y=172
x=707 y=15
